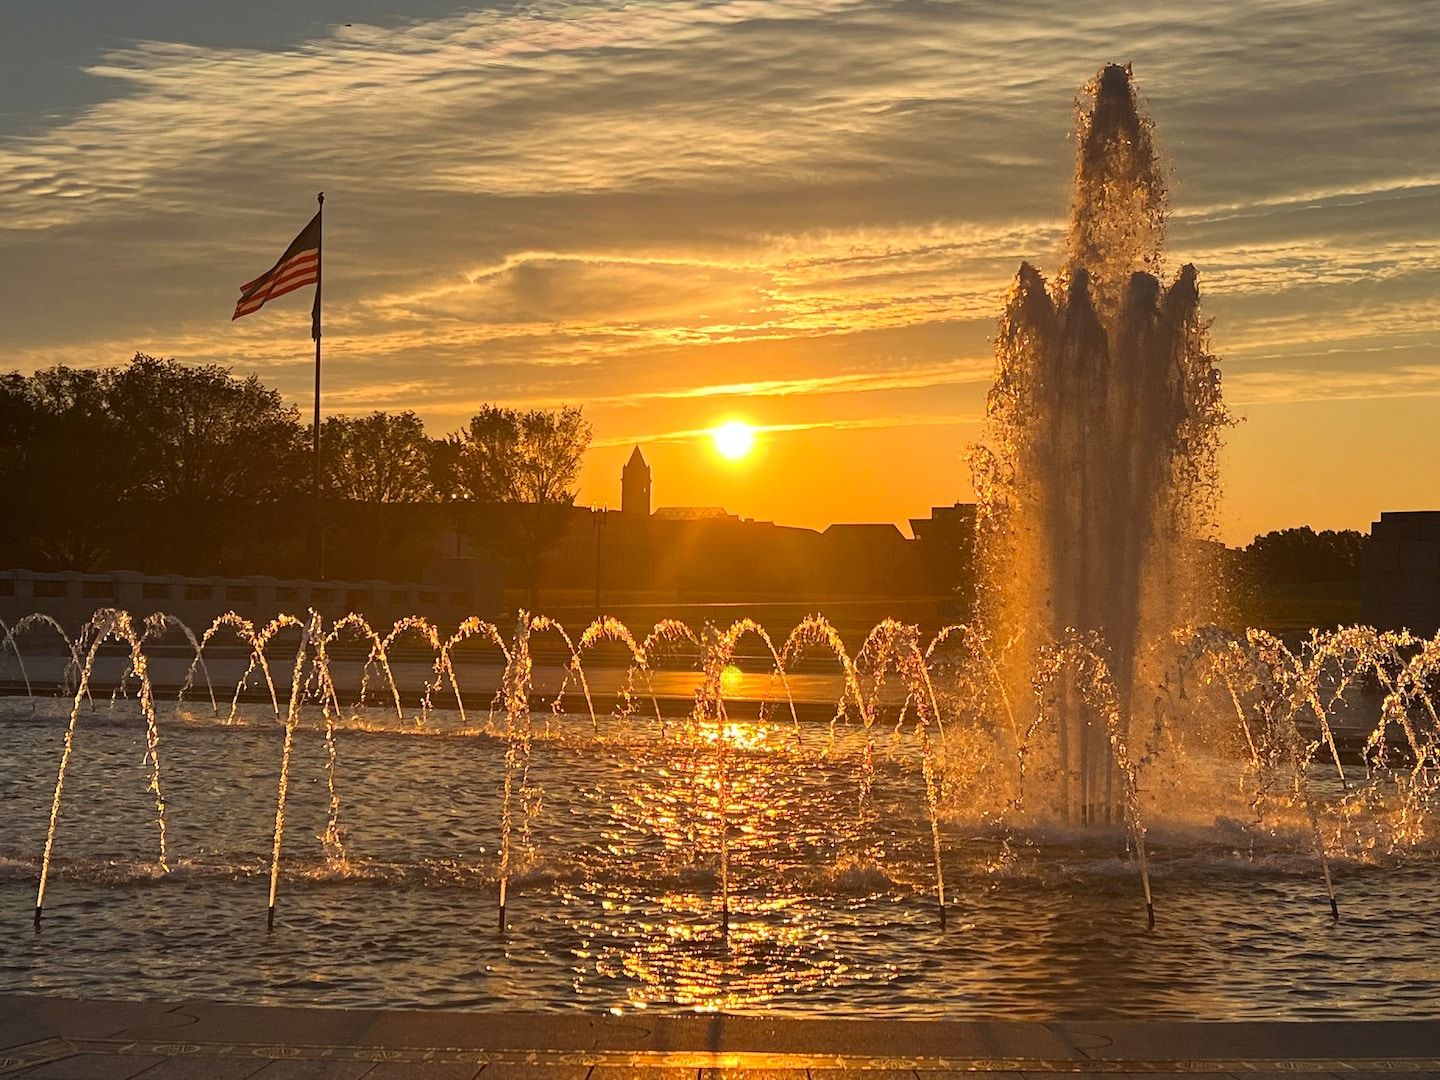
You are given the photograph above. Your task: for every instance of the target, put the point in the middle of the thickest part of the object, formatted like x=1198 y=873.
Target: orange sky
x=802 y=214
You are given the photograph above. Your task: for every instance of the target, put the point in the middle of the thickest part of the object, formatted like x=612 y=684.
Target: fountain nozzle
x=269 y=919
x=1334 y=909
x=1149 y=915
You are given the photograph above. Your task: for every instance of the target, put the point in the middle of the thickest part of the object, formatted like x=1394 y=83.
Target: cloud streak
x=806 y=208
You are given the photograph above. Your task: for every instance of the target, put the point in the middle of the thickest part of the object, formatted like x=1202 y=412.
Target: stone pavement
x=60 y=1039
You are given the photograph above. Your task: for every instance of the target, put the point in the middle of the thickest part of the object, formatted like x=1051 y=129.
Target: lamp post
x=599 y=553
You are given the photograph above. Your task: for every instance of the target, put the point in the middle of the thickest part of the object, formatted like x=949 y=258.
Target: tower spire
x=635 y=486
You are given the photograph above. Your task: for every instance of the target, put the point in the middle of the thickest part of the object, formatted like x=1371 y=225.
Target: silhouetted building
x=635 y=486
x=870 y=558
x=705 y=554
x=1400 y=572
x=694 y=513
x=947 y=546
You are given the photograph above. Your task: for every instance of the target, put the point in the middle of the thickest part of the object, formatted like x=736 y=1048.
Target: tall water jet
x=1098 y=474
x=309 y=631
x=516 y=695
x=107 y=624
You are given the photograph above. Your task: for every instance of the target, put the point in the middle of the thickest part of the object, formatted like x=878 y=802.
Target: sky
x=800 y=214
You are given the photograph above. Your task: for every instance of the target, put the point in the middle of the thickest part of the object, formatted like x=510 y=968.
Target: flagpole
x=315 y=429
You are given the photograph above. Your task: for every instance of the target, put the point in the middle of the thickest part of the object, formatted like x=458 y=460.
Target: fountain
x=684 y=841
x=1099 y=475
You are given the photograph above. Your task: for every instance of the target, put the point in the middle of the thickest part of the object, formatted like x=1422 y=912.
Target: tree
x=379 y=508
x=1302 y=554
x=65 y=466
x=202 y=437
x=522 y=465
x=445 y=455
x=218 y=463
x=380 y=458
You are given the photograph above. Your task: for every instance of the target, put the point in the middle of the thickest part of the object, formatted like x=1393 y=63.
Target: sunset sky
x=804 y=215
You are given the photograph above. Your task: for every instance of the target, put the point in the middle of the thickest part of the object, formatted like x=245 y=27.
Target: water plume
x=19 y=660
x=156 y=626
x=39 y=620
x=427 y=632
x=356 y=624
x=245 y=630
x=1098 y=477
x=475 y=628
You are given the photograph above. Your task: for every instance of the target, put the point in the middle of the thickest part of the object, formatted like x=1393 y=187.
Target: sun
x=734 y=439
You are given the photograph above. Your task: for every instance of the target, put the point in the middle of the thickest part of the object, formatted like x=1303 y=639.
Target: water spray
x=308 y=630
x=1258 y=679
x=107 y=623
x=722 y=794
x=517 y=745
x=20 y=660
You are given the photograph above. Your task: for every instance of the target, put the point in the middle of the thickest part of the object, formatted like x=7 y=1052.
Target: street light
x=600 y=516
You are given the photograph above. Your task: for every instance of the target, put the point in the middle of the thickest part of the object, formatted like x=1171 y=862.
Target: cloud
x=866 y=423
x=953 y=373
x=1291 y=387
x=655 y=208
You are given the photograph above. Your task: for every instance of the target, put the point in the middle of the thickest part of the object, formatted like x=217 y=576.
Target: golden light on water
x=733 y=439
x=731 y=679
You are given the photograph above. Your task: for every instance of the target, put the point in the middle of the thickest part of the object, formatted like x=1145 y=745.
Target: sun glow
x=733 y=439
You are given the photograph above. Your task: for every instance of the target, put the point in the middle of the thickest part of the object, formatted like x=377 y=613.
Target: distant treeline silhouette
x=171 y=468
x=1302 y=554
x=164 y=467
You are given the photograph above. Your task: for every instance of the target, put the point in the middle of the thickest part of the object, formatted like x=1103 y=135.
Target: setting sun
x=734 y=439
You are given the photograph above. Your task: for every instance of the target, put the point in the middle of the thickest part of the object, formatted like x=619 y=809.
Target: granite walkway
x=60 y=1039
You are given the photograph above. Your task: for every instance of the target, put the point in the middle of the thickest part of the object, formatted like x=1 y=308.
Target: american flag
x=298 y=267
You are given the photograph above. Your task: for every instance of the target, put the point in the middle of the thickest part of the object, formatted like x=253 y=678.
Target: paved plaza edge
x=66 y=1039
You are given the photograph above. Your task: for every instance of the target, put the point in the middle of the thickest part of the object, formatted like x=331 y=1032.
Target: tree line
x=1301 y=555
x=172 y=468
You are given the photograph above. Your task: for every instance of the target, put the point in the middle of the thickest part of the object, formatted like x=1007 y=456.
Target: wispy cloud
x=955 y=373
x=867 y=423
x=662 y=208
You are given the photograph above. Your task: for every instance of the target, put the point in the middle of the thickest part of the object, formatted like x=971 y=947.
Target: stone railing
x=71 y=598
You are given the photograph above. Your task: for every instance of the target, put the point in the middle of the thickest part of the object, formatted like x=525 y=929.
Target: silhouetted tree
x=1302 y=554
x=445 y=457
x=164 y=466
x=152 y=463
x=202 y=437
x=65 y=465
x=210 y=455
x=380 y=495
x=380 y=458
x=522 y=466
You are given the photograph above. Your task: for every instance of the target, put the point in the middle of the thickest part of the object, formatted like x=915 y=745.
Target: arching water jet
x=106 y=624
x=309 y=630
